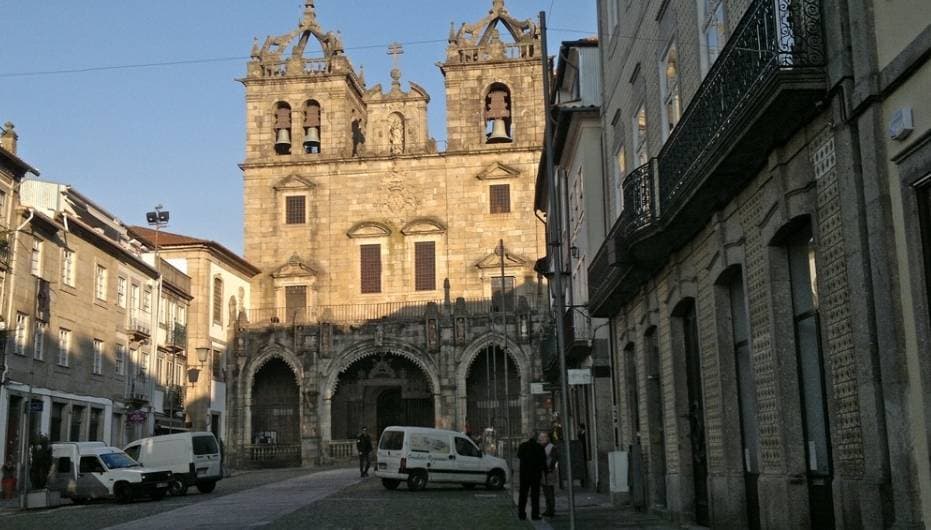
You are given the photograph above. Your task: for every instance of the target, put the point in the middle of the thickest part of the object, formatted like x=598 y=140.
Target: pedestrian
x=549 y=474
x=532 y=463
x=364 y=446
x=583 y=439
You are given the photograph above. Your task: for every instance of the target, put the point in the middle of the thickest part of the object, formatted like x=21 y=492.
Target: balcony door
x=691 y=351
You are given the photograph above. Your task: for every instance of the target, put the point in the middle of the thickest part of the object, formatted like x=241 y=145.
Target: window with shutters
x=218 y=301
x=295 y=298
x=502 y=293
x=295 y=210
x=370 y=265
x=500 y=198
x=425 y=266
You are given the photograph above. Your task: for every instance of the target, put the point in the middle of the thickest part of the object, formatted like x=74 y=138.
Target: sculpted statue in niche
x=396 y=134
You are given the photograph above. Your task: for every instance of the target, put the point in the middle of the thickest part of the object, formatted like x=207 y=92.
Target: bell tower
x=494 y=91
x=304 y=99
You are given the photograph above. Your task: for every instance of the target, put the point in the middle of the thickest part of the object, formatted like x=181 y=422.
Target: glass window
x=120 y=360
x=713 y=36
x=38 y=341
x=98 y=356
x=391 y=441
x=118 y=460
x=640 y=135
x=35 y=264
x=64 y=347
x=429 y=443
x=205 y=445
x=90 y=464
x=465 y=447
x=133 y=452
x=803 y=280
x=67 y=267
x=121 y=291
x=295 y=210
x=100 y=282
x=620 y=161
x=22 y=328
x=669 y=87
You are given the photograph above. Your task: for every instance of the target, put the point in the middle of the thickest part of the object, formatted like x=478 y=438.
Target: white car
x=92 y=470
x=419 y=455
x=193 y=458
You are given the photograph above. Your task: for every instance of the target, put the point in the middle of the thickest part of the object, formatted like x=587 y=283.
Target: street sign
x=537 y=388
x=581 y=376
x=35 y=406
x=136 y=416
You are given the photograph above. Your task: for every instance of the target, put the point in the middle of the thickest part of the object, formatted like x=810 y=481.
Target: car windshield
x=118 y=461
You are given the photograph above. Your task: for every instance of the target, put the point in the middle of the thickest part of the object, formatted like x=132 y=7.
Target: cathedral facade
x=398 y=282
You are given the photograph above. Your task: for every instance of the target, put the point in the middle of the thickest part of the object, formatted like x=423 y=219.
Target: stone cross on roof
x=395 y=50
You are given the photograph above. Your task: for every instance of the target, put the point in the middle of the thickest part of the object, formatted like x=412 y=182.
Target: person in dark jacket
x=532 y=464
x=364 y=446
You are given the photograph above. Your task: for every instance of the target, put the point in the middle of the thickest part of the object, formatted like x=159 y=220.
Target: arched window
x=282 y=128
x=396 y=133
x=312 y=113
x=218 y=300
x=498 y=113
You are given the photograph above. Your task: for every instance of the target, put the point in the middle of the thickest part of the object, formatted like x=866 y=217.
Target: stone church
x=398 y=283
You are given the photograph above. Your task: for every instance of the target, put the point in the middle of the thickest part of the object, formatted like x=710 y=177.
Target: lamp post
x=158 y=218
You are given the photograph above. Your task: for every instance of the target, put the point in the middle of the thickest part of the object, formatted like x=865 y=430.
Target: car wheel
x=207 y=487
x=468 y=486
x=159 y=494
x=177 y=488
x=390 y=483
x=123 y=493
x=495 y=480
x=417 y=481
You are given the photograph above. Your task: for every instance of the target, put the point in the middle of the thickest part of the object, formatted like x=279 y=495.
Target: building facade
x=219 y=283
x=381 y=298
x=578 y=160
x=78 y=347
x=746 y=267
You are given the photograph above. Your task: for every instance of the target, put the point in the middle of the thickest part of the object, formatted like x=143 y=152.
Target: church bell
x=499 y=132
x=284 y=139
x=312 y=138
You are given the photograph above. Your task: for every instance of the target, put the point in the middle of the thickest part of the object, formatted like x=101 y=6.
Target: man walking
x=549 y=474
x=364 y=446
x=532 y=462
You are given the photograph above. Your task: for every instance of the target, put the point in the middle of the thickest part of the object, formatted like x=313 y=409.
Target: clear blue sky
x=131 y=138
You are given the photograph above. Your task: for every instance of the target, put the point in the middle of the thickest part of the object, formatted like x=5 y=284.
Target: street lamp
x=157 y=219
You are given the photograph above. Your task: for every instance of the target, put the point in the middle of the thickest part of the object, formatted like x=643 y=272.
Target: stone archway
x=489 y=351
x=400 y=378
x=275 y=415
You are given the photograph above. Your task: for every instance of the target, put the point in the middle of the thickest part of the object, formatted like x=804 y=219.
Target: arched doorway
x=379 y=391
x=276 y=435
x=493 y=392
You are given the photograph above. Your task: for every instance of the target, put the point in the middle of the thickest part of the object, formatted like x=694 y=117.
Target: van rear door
x=206 y=456
x=390 y=449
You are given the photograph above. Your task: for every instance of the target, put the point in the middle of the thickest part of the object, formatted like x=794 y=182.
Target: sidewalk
x=594 y=510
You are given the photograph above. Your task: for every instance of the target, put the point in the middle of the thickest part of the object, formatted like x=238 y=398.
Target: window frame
x=641 y=134
x=288 y=219
x=670 y=93
x=20 y=333
x=97 y=364
x=499 y=204
x=217 y=301
x=374 y=276
x=121 y=283
x=708 y=19
x=425 y=280
x=68 y=267
x=38 y=340
x=35 y=258
x=119 y=364
x=100 y=282
x=63 y=359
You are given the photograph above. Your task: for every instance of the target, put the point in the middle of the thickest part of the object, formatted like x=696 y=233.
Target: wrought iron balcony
x=578 y=333
x=176 y=337
x=140 y=324
x=763 y=87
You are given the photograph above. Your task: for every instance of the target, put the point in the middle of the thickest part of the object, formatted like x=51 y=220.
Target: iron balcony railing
x=391 y=311
x=140 y=322
x=773 y=36
x=177 y=336
x=639 y=204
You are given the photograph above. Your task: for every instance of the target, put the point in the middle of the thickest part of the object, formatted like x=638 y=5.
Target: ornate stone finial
x=256 y=51
x=310 y=15
x=395 y=50
x=8 y=138
x=497 y=7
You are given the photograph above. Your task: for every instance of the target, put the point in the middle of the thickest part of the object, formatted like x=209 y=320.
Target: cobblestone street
x=292 y=498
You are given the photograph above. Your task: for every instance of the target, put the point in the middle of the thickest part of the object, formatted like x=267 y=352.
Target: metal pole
x=555 y=250
x=507 y=394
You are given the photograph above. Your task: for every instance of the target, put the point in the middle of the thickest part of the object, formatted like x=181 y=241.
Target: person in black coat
x=364 y=446
x=532 y=464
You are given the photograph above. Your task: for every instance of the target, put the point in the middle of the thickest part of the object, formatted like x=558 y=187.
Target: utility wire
x=209 y=60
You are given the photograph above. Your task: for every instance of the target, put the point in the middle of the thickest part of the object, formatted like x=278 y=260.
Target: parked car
x=192 y=457
x=419 y=455
x=84 y=471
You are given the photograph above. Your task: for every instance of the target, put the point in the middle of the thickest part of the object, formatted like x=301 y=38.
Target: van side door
x=468 y=461
x=93 y=481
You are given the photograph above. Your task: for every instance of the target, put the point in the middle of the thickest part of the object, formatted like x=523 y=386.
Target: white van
x=192 y=457
x=419 y=455
x=83 y=471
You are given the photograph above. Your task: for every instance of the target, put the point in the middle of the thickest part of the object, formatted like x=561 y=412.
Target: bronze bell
x=284 y=138
x=499 y=132
x=312 y=138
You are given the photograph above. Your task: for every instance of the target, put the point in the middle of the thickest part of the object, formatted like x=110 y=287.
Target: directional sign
x=581 y=376
x=537 y=388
